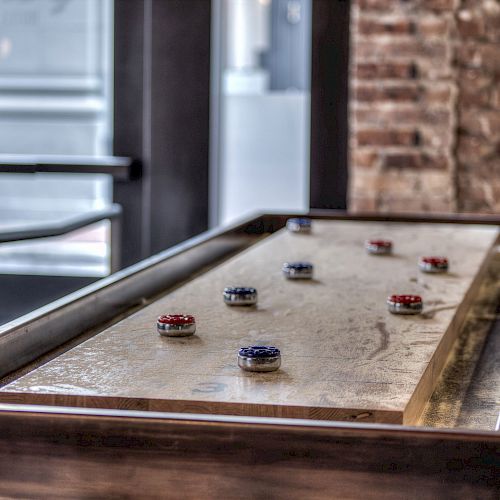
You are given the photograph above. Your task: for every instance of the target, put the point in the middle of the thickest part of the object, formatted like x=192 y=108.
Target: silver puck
x=298 y=270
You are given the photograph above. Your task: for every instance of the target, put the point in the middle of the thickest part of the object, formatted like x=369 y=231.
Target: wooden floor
x=344 y=357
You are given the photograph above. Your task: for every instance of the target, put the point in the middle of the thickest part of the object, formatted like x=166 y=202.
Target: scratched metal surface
x=344 y=356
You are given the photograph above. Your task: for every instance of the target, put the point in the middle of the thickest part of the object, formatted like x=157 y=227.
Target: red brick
x=487 y=169
x=376 y=4
x=435 y=70
x=395 y=93
x=407 y=5
x=437 y=94
x=470 y=204
x=362 y=204
x=399 y=182
x=491 y=124
x=474 y=80
x=473 y=150
x=485 y=123
x=400 y=26
x=414 y=203
x=364 y=159
x=494 y=100
x=399 y=94
x=404 y=115
x=437 y=117
x=384 y=50
x=474 y=98
x=469 y=122
x=478 y=195
x=370 y=71
x=437 y=138
x=467 y=56
x=438 y=182
x=376 y=137
x=490 y=57
x=490 y=7
x=433 y=26
x=492 y=20
x=470 y=24
x=416 y=160
x=362 y=182
x=472 y=4
x=373 y=115
x=479 y=55
x=439 y=5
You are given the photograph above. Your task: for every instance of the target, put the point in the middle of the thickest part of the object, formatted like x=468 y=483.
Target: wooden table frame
x=67 y=452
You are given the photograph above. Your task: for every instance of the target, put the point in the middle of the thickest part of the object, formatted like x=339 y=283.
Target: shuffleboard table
x=351 y=371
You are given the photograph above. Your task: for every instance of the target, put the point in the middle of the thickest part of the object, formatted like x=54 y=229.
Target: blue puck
x=259 y=351
x=259 y=358
x=239 y=295
x=299 y=225
x=298 y=270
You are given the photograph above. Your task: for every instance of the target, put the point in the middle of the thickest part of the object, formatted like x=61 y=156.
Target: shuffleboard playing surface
x=344 y=356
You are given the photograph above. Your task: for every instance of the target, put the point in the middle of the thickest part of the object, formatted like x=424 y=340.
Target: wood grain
x=81 y=456
x=344 y=356
x=467 y=394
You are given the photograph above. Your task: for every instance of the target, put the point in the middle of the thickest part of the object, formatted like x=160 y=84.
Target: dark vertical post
x=329 y=103
x=180 y=98
x=128 y=119
x=162 y=95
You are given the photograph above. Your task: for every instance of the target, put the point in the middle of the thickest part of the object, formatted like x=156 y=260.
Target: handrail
x=58 y=228
x=120 y=167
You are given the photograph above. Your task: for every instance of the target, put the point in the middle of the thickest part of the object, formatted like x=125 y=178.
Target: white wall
x=265 y=154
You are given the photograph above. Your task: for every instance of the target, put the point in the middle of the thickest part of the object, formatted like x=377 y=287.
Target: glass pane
x=263 y=105
x=55 y=77
x=55 y=98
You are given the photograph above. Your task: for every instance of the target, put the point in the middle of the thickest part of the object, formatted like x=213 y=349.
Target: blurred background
x=56 y=104
x=55 y=99
x=264 y=107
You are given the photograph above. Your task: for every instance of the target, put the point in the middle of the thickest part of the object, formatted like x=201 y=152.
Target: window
x=262 y=78
x=55 y=99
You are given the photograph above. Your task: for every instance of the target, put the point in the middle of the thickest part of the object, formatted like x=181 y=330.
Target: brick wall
x=478 y=78
x=425 y=105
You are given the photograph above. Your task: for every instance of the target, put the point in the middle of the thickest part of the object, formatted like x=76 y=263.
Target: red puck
x=435 y=260
x=433 y=264
x=405 y=299
x=381 y=243
x=378 y=246
x=176 y=319
x=405 y=304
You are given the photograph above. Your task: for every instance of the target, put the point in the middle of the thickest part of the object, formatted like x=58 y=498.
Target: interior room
x=249 y=249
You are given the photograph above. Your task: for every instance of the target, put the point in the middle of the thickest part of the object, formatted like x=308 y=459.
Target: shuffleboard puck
x=299 y=225
x=433 y=264
x=298 y=270
x=176 y=325
x=378 y=247
x=240 y=296
x=259 y=358
x=405 y=304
